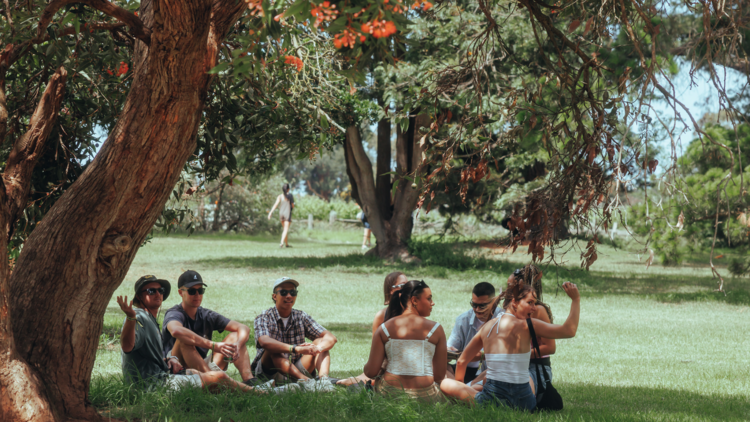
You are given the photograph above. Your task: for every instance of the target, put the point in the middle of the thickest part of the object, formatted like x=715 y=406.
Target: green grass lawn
x=655 y=345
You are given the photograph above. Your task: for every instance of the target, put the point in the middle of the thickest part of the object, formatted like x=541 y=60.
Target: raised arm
x=377 y=355
x=569 y=328
x=471 y=350
x=440 y=359
x=127 y=337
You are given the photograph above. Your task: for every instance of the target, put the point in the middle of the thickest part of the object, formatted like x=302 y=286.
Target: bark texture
x=79 y=254
x=393 y=228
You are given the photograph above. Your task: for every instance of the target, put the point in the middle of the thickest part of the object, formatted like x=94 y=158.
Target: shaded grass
x=653 y=345
x=583 y=402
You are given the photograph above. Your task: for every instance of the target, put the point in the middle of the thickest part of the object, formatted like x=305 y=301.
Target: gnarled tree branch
x=29 y=147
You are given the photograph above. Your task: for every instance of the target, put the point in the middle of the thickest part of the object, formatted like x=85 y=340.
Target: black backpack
x=547 y=398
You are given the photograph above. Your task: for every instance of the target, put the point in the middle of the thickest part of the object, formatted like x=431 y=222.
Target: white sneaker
x=322 y=385
x=365 y=247
x=266 y=386
x=287 y=388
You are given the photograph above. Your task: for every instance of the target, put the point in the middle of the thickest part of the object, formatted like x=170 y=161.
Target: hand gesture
x=125 y=306
x=571 y=290
x=174 y=365
x=226 y=349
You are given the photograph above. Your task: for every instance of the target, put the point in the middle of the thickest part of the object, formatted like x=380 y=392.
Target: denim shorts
x=518 y=396
x=532 y=373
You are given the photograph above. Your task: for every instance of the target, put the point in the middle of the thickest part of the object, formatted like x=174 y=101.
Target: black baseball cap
x=189 y=279
x=146 y=279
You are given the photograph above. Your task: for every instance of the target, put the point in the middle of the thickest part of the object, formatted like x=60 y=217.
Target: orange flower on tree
x=324 y=12
x=379 y=28
x=123 y=69
x=296 y=61
x=425 y=5
x=255 y=7
x=347 y=38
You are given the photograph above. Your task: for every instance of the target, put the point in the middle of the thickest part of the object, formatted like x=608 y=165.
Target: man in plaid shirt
x=280 y=334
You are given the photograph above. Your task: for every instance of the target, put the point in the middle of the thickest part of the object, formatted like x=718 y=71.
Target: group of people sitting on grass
x=409 y=353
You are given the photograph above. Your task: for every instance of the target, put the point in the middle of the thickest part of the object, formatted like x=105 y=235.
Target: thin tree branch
x=137 y=28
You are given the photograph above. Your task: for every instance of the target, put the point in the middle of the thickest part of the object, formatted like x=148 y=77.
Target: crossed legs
x=463 y=392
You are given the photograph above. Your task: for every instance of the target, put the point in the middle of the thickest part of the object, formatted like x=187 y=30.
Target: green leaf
x=77 y=24
x=218 y=68
x=393 y=189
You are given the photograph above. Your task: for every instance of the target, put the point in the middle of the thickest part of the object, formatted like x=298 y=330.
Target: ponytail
x=400 y=298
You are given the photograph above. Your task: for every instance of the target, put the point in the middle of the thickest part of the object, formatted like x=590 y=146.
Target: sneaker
x=266 y=386
x=288 y=388
x=365 y=247
x=320 y=385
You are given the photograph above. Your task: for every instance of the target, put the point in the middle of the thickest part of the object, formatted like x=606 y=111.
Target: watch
x=294 y=348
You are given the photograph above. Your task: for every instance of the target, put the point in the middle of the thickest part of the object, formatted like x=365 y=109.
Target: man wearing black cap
x=188 y=329
x=140 y=341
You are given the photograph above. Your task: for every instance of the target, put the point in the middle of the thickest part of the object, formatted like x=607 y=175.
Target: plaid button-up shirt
x=299 y=326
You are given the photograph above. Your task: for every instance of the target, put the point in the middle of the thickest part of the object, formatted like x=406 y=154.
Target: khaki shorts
x=178 y=382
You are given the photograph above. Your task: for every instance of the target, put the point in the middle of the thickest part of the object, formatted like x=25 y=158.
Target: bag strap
x=539 y=385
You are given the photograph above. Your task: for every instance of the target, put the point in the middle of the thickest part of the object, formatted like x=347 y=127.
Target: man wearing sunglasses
x=280 y=334
x=188 y=332
x=469 y=322
x=140 y=341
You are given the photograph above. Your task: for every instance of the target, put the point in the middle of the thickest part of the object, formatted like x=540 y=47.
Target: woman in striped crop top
x=414 y=346
x=507 y=345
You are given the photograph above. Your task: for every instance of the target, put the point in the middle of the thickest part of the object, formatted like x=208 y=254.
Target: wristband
x=212 y=346
x=131 y=319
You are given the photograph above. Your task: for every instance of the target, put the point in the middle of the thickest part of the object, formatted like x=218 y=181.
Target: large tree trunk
x=80 y=252
x=392 y=233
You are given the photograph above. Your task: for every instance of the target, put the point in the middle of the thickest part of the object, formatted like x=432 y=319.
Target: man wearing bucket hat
x=140 y=341
x=280 y=334
x=188 y=330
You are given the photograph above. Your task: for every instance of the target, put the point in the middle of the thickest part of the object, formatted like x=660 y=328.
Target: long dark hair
x=517 y=290
x=400 y=298
x=285 y=189
x=390 y=281
x=531 y=275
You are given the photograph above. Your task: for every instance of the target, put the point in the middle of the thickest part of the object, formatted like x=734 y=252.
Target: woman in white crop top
x=414 y=346
x=507 y=345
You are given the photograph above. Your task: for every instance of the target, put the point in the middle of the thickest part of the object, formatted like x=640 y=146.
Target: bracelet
x=131 y=319
x=291 y=348
x=212 y=346
x=173 y=357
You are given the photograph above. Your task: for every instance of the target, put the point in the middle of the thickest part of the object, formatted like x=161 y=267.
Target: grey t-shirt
x=145 y=362
x=205 y=323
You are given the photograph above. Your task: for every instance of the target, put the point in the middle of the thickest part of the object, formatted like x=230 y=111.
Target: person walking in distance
x=285 y=202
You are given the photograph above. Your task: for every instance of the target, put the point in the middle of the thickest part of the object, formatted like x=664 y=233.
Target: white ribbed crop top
x=409 y=357
x=512 y=368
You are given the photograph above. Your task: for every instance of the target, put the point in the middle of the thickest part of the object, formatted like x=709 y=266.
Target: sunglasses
x=285 y=292
x=192 y=292
x=152 y=291
x=479 y=305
